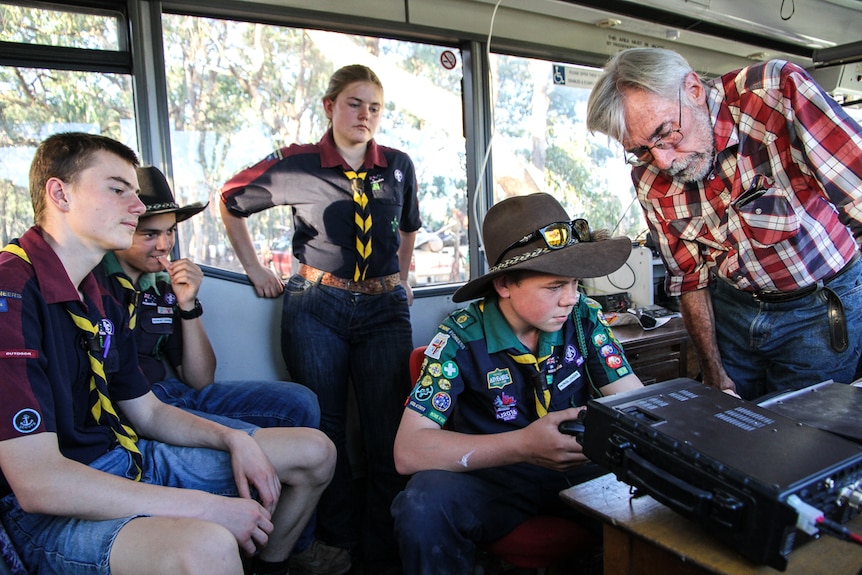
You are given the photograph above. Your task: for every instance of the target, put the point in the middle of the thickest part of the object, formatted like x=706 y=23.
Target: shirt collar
x=145 y=282
x=721 y=114
x=54 y=282
x=499 y=336
x=330 y=158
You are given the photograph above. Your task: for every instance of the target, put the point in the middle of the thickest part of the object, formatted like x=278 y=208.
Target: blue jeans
x=246 y=404
x=329 y=337
x=261 y=403
x=442 y=516
x=52 y=545
x=770 y=347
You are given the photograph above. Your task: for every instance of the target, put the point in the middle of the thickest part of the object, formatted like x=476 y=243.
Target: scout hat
x=158 y=197
x=535 y=233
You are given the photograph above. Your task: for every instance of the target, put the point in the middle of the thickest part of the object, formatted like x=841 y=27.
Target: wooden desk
x=659 y=354
x=644 y=537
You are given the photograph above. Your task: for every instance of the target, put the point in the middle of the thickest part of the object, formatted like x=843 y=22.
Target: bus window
x=541 y=144
x=62 y=94
x=239 y=90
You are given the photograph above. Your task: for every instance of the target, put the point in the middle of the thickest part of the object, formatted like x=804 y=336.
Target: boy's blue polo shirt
x=471 y=378
x=46 y=370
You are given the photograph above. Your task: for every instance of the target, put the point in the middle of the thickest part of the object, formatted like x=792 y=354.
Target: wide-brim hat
x=158 y=197
x=518 y=217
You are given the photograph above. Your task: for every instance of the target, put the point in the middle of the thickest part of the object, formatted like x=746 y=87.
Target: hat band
x=519 y=259
x=163 y=206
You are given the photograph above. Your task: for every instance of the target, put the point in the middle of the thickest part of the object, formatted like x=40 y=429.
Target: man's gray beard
x=694 y=168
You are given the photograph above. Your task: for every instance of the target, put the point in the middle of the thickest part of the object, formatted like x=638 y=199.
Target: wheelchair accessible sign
x=575 y=76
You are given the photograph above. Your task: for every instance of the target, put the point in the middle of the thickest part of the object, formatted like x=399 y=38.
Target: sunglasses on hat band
x=557 y=236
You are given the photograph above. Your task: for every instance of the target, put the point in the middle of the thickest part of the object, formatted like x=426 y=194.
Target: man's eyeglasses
x=643 y=155
x=557 y=235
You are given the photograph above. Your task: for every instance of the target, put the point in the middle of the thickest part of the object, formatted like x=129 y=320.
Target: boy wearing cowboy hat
x=169 y=332
x=501 y=375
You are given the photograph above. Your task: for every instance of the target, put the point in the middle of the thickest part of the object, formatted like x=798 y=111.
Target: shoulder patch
x=435 y=348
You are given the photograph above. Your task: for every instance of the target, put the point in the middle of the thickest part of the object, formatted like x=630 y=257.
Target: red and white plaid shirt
x=784 y=201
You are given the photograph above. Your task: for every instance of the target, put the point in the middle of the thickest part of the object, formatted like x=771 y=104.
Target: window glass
x=51 y=27
x=36 y=103
x=541 y=144
x=238 y=90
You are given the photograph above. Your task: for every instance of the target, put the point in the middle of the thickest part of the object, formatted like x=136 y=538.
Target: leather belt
x=785 y=296
x=372 y=286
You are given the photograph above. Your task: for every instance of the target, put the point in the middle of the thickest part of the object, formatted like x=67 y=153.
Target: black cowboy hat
x=158 y=197
x=515 y=219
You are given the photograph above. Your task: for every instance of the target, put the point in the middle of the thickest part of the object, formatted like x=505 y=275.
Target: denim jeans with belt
x=770 y=347
x=331 y=336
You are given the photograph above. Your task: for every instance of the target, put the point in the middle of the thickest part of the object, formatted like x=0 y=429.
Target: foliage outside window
x=239 y=90
x=38 y=102
x=541 y=144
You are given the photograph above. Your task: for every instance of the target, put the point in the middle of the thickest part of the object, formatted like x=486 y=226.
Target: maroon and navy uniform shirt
x=45 y=367
x=311 y=179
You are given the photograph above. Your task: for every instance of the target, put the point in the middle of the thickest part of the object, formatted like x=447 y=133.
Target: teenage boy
x=170 y=333
x=97 y=473
x=501 y=375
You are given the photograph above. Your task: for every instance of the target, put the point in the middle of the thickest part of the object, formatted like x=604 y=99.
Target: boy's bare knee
x=179 y=546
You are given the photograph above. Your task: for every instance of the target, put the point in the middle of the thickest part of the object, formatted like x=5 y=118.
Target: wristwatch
x=196 y=311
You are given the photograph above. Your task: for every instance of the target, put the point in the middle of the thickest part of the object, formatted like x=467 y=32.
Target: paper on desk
x=616 y=319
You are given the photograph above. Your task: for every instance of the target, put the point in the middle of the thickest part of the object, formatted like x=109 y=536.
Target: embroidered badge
x=25 y=353
x=170 y=299
x=552 y=364
x=499 y=378
x=399 y=175
x=614 y=361
x=600 y=339
x=571 y=354
x=26 y=421
x=435 y=348
x=463 y=320
x=426 y=381
x=4 y=305
x=506 y=407
x=148 y=299
x=569 y=380
x=423 y=393
x=608 y=350
x=442 y=401
x=450 y=370
x=444 y=384
x=435 y=369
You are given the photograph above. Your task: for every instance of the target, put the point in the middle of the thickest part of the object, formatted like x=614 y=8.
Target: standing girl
x=346 y=315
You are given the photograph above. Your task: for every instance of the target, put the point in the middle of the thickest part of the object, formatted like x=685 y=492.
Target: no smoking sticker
x=448 y=59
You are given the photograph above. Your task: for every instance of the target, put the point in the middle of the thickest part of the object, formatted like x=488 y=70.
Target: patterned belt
x=373 y=286
x=784 y=296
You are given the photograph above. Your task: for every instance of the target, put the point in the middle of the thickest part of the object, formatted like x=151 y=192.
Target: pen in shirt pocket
x=759 y=186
